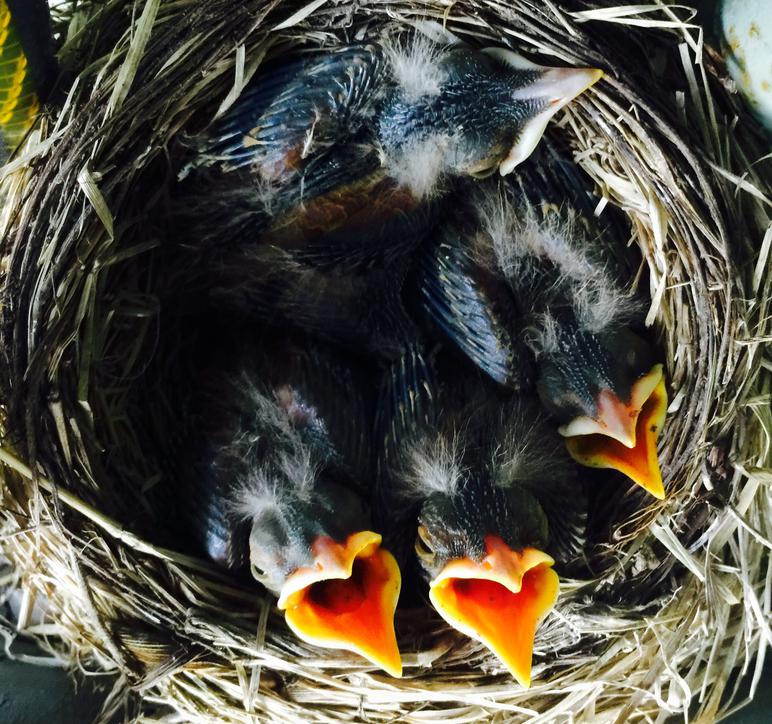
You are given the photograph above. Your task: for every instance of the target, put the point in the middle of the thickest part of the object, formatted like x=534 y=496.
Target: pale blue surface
x=746 y=30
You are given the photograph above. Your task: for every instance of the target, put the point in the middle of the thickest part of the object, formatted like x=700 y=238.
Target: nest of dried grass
x=681 y=595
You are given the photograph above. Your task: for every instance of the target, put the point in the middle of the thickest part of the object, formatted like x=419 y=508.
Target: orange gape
x=639 y=462
x=347 y=600
x=499 y=601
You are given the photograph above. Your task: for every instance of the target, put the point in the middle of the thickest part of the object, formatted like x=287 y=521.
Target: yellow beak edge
x=499 y=601
x=347 y=599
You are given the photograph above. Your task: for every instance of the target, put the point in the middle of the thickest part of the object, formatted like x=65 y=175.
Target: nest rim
x=170 y=652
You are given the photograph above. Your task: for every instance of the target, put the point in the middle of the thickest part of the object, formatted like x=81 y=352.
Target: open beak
x=624 y=435
x=499 y=600
x=553 y=89
x=347 y=599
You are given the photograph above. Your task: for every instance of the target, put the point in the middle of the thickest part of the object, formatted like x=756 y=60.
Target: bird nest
x=674 y=606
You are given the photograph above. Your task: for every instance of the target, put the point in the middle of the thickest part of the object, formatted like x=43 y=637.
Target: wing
x=346 y=212
x=343 y=211
x=406 y=410
x=362 y=311
x=473 y=309
x=294 y=111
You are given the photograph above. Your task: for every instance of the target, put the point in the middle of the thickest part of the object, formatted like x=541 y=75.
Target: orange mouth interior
x=347 y=599
x=639 y=461
x=501 y=606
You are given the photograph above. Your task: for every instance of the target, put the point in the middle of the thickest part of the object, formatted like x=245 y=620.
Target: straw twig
x=677 y=595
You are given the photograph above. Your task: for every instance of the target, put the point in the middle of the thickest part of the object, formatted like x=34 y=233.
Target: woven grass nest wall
x=677 y=595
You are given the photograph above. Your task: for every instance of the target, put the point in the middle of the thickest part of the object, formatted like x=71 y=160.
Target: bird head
x=337 y=586
x=274 y=471
x=595 y=375
x=611 y=398
x=470 y=112
x=481 y=546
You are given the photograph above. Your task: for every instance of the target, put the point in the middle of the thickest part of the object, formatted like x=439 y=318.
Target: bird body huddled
x=341 y=161
x=535 y=250
x=458 y=342
x=275 y=469
x=478 y=483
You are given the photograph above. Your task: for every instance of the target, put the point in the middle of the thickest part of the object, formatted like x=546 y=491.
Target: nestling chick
x=353 y=140
x=529 y=249
x=468 y=111
x=275 y=470
x=497 y=503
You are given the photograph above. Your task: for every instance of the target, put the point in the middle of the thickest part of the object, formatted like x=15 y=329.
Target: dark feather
x=292 y=111
x=473 y=309
x=406 y=408
x=362 y=311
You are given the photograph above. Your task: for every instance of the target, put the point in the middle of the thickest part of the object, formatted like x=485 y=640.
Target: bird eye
x=258 y=573
x=483 y=174
x=423 y=547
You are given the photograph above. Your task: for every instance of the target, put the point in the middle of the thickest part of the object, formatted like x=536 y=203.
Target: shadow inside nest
x=163 y=326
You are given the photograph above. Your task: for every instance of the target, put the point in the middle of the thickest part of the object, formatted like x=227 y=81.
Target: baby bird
x=496 y=502
x=327 y=172
x=274 y=473
x=350 y=143
x=524 y=268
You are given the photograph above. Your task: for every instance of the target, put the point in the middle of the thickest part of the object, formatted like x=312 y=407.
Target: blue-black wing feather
x=293 y=111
